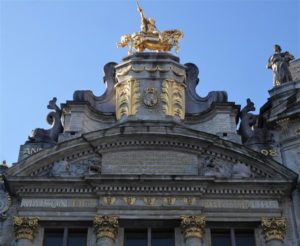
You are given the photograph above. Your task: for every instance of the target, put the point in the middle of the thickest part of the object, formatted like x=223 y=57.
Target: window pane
x=136 y=238
x=220 y=238
x=162 y=238
x=77 y=237
x=53 y=237
x=244 y=238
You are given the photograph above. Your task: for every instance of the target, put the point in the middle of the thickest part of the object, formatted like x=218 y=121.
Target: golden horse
x=140 y=41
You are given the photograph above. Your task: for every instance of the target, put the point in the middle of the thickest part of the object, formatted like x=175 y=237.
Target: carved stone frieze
x=65 y=168
x=25 y=227
x=127 y=98
x=274 y=228
x=106 y=226
x=212 y=166
x=192 y=226
x=173 y=98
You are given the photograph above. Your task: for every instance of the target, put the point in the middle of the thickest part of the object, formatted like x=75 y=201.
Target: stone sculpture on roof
x=279 y=63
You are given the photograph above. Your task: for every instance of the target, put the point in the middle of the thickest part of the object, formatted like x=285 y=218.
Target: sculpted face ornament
x=150 y=37
x=150 y=97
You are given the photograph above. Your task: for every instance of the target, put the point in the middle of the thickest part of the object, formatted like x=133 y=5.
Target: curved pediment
x=151 y=149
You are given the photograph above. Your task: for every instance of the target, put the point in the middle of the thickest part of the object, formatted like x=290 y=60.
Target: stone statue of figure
x=279 y=63
x=147 y=24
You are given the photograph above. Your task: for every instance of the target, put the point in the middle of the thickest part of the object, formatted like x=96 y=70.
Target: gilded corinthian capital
x=193 y=226
x=274 y=228
x=25 y=227
x=106 y=226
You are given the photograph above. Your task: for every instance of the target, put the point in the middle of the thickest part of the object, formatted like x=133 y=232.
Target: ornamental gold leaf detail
x=25 y=227
x=193 y=226
x=127 y=98
x=274 y=228
x=106 y=226
x=173 y=98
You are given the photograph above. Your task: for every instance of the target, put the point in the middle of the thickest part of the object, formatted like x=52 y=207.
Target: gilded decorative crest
x=149 y=201
x=169 y=200
x=130 y=200
x=150 y=37
x=108 y=200
x=150 y=97
x=189 y=201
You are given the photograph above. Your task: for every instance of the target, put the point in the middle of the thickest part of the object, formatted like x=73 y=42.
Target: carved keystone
x=274 y=228
x=192 y=226
x=106 y=226
x=25 y=227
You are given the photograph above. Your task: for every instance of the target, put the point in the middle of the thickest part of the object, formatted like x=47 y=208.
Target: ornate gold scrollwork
x=274 y=228
x=25 y=227
x=106 y=226
x=193 y=226
x=173 y=98
x=127 y=98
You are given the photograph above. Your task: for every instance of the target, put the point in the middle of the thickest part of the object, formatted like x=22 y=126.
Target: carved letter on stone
x=106 y=226
x=274 y=228
x=173 y=98
x=25 y=228
x=192 y=226
x=127 y=98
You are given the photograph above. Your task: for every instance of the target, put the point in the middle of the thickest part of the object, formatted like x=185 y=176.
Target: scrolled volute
x=274 y=228
x=193 y=226
x=25 y=227
x=106 y=226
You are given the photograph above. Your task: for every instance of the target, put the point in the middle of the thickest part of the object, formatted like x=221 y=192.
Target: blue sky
x=52 y=48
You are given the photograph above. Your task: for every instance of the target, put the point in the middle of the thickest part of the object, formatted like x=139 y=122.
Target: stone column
x=25 y=229
x=274 y=230
x=192 y=228
x=106 y=229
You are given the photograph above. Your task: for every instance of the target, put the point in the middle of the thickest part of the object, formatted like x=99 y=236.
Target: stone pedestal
x=274 y=230
x=192 y=228
x=106 y=229
x=25 y=230
x=150 y=86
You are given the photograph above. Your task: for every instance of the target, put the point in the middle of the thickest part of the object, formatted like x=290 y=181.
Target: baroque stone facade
x=150 y=157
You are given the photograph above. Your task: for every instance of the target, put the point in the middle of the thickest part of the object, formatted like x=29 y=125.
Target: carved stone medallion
x=150 y=98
